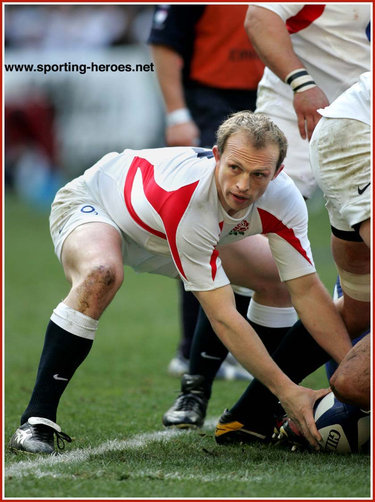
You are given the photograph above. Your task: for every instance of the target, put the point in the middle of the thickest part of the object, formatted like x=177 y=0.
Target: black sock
x=189 y=309
x=298 y=355
x=207 y=351
x=62 y=354
x=242 y=304
x=271 y=337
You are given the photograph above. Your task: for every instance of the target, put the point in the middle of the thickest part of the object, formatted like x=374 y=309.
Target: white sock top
x=271 y=317
x=74 y=322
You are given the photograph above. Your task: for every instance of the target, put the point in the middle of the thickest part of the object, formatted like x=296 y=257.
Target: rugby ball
x=344 y=428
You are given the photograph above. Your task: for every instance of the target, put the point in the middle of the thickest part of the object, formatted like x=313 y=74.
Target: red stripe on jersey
x=137 y=162
x=271 y=224
x=170 y=206
x=306 y=16
x=214 y=256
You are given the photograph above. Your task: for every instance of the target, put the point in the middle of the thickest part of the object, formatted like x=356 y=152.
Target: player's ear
x=278 y=171
x=216 y=153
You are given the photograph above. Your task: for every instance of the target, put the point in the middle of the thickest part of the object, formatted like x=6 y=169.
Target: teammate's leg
x=351 y=381
x=365 y=232
x=254 y=415
x=353 y=262
x=188 y=313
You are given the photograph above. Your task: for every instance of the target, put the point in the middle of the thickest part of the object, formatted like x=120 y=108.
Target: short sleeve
x=285 y=11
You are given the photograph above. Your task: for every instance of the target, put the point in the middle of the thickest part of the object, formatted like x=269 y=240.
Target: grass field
x=113 y=406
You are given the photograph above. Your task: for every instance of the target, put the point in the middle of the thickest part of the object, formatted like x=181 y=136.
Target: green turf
x=122 y=390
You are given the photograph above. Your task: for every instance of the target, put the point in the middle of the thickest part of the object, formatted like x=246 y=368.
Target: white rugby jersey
x=165 y=202
x=332 y=42
x=355 y=103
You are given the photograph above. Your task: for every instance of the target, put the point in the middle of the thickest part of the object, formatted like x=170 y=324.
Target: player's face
x=243 y=172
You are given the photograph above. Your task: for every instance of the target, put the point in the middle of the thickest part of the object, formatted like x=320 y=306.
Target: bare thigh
x=351 y=381
x=249 y=263
x=365 y=232
x=353 y=257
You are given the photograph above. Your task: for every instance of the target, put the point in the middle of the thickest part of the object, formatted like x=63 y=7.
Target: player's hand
x=298 y=403
x=305 y=105
x=185 y=134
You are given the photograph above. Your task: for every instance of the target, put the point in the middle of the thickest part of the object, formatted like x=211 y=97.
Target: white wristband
x=178 y=117
x=299 y=80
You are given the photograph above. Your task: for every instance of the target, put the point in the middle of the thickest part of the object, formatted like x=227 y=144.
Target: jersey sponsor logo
x=306 y=16
x=170 y=205
x=361 y=190
x=271 y=224
x=240 y=229
x=88 y=210
x=242 y=55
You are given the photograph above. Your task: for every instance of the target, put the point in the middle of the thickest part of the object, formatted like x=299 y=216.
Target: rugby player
x=166 y=211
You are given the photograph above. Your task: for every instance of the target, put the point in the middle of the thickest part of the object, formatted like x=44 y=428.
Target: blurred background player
x=45 y=114
x=207 y=69
x=290 y=41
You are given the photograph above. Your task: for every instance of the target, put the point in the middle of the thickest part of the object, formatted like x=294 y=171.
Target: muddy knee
x=102 y=280
x=97 y=288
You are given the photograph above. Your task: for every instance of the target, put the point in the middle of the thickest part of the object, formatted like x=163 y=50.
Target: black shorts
x=209 y=107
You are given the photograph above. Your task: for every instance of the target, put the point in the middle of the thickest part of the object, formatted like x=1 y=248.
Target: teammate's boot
x=37 y=436
x=189 y=409
x=229 y=431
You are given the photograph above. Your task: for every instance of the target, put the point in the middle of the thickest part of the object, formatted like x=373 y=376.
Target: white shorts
x=71 y=208
x=297 y=165
x=74 y=206
x=341 y=162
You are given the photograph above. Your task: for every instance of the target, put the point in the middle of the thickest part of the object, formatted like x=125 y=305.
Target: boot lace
x=189 y=402
x=61 y=437
x=45 y=434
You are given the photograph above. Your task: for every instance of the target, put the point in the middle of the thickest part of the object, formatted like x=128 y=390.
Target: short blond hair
x=259 y=128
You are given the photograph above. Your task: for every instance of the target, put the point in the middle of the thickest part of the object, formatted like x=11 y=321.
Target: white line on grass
x=35 y=465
